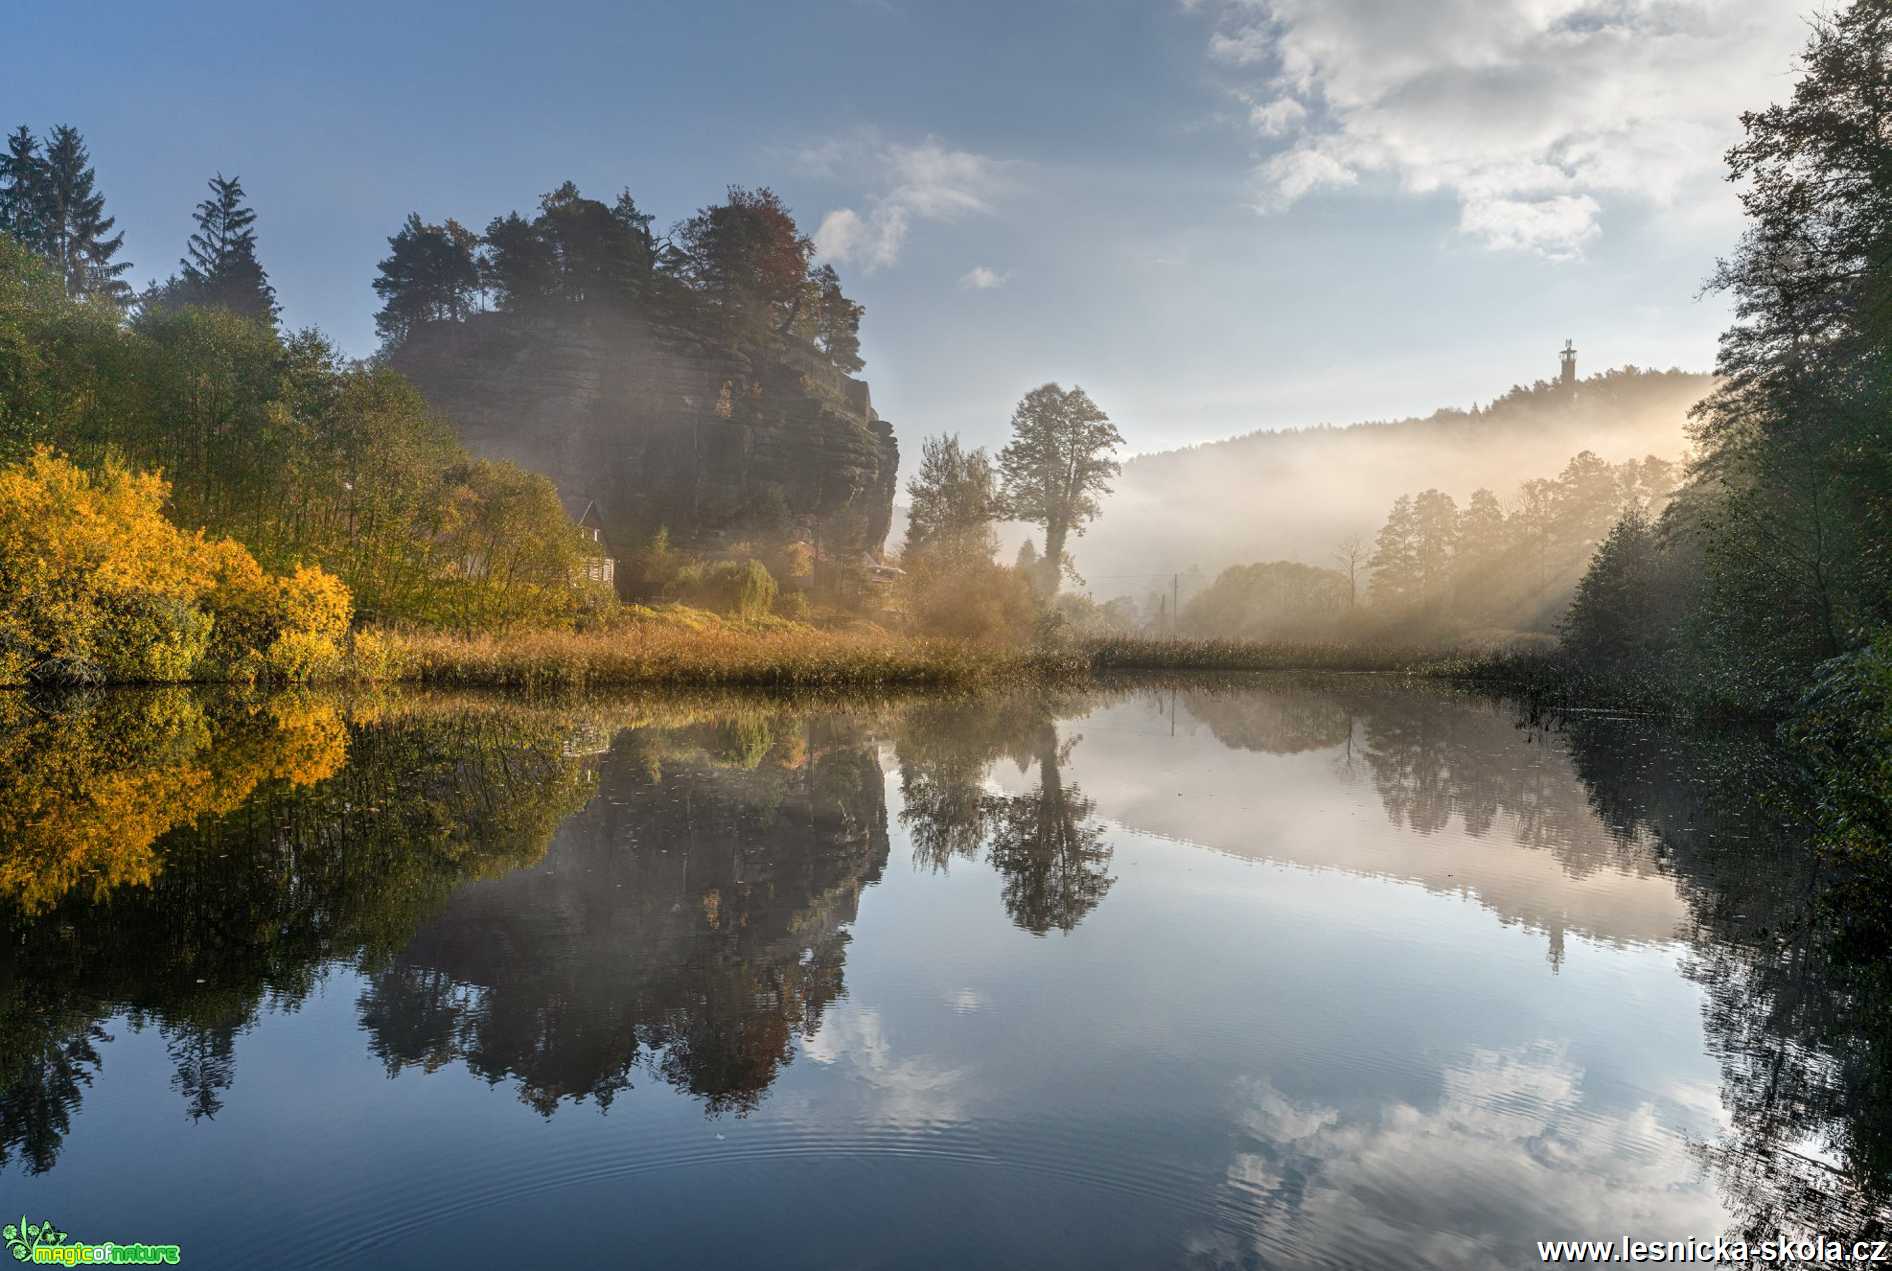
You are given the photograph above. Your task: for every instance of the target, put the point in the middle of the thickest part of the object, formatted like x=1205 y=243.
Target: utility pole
x=1175 y=618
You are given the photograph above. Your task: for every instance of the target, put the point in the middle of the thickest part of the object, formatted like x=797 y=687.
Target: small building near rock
x=597 y=563
x=881 y=574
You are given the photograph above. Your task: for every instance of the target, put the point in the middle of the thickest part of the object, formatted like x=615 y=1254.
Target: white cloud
x=1556 y=227
x=1532 y=113
x=927 y=181
x=982 y=278
x=901 y=1090
x=1512 y=1128
x=874 y=240
x=1293 y=174
x=1244 y=47
x=1276 y=117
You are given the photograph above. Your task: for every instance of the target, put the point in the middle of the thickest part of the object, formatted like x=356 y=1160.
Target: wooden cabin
x=598 y=564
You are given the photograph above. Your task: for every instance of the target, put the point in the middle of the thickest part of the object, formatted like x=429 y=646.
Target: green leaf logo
x=24 y=1237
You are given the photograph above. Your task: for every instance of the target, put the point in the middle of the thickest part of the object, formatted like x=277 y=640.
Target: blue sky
x=1216 y=215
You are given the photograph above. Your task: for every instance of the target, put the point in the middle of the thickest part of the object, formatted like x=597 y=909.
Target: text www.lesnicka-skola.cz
x=1781 y=1251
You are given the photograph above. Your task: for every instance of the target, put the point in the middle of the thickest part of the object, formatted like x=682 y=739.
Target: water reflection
x=573 y=902
x=691 y=924
x=285 y=859
x=1795 y=967
x=1046 y=842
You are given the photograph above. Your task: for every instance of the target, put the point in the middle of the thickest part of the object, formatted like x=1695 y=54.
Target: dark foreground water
x=1301 y=973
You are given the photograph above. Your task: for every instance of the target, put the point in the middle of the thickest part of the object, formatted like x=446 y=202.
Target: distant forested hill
x=1296 y=494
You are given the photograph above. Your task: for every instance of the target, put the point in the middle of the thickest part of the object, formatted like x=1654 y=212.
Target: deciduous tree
x=953 y=501
x=1058 y=464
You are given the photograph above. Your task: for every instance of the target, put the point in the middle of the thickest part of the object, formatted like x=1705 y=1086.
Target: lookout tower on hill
x=1568 y=357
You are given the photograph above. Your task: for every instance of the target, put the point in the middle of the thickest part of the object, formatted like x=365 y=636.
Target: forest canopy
x=741 y=270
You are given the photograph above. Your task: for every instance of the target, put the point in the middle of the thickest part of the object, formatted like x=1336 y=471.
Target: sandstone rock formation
x=662 y=426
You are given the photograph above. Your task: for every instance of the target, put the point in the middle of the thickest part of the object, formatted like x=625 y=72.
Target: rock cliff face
x=663 y=427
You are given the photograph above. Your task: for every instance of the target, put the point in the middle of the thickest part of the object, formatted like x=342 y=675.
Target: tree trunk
x=1052 y=566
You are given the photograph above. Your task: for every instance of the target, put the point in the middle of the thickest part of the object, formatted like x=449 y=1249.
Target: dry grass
x=1126 y=653
x=660 y=654
x=689 y=649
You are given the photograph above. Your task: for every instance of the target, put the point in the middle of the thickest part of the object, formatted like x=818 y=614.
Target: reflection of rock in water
x=689 y=922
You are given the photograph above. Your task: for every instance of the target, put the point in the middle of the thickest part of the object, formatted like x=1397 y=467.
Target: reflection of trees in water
x=1434 y=755
x=192 y=930
x=1281 y=719
x=1432 y=760
x=89 y=785
x=1796 y=1005
x=1046 y=844
x=690 y=924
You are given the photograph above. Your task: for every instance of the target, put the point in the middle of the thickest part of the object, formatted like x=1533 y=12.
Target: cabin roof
x=579 y=508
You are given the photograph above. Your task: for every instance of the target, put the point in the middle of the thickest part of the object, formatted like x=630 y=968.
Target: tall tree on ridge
x=748 y=258
x=220 y=266
x=76 y=226
x=430 y=274
x=1059 y=462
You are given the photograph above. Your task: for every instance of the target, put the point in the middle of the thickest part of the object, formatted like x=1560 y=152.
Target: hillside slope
x=1295 y=494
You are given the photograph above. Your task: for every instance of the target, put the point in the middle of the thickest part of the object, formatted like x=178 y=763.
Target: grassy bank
x=681 y=649
x=1125 y=653
x=786 y=658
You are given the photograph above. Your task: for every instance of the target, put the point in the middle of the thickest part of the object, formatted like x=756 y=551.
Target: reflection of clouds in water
x=913 y=1089
x=1510 y=1155
x=966 y=1001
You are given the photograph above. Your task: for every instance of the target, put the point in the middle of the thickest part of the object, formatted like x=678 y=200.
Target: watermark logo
x=45 y=1245
x=26 y=1238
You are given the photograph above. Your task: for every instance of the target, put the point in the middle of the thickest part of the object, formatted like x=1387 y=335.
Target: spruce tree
x=23 y=190
x=220 y=266
x=75 y=224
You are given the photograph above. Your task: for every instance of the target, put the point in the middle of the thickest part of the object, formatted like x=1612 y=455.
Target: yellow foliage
x=101 y=586
x=86 y=794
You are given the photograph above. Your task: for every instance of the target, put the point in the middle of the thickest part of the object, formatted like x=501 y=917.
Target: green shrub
x=1843 y=731
x=980 y=601
x=739 y=589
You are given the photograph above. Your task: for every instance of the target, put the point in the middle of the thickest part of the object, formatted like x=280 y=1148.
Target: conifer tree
x=430 y=274
x=220 y=265
x=23 y=190
x=1395 y=560
x=78 y=236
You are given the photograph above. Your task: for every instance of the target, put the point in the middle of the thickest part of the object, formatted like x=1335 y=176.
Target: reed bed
x=1117 y=654
x=788 y=656
x=801 y=659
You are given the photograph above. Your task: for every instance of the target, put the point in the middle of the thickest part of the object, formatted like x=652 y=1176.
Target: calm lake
x=1294 y=972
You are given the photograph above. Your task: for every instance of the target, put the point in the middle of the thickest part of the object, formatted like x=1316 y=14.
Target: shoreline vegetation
x=804 y=657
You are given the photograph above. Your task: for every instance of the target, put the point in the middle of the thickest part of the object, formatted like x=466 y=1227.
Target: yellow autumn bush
x=100 y=586
x=88 y=791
